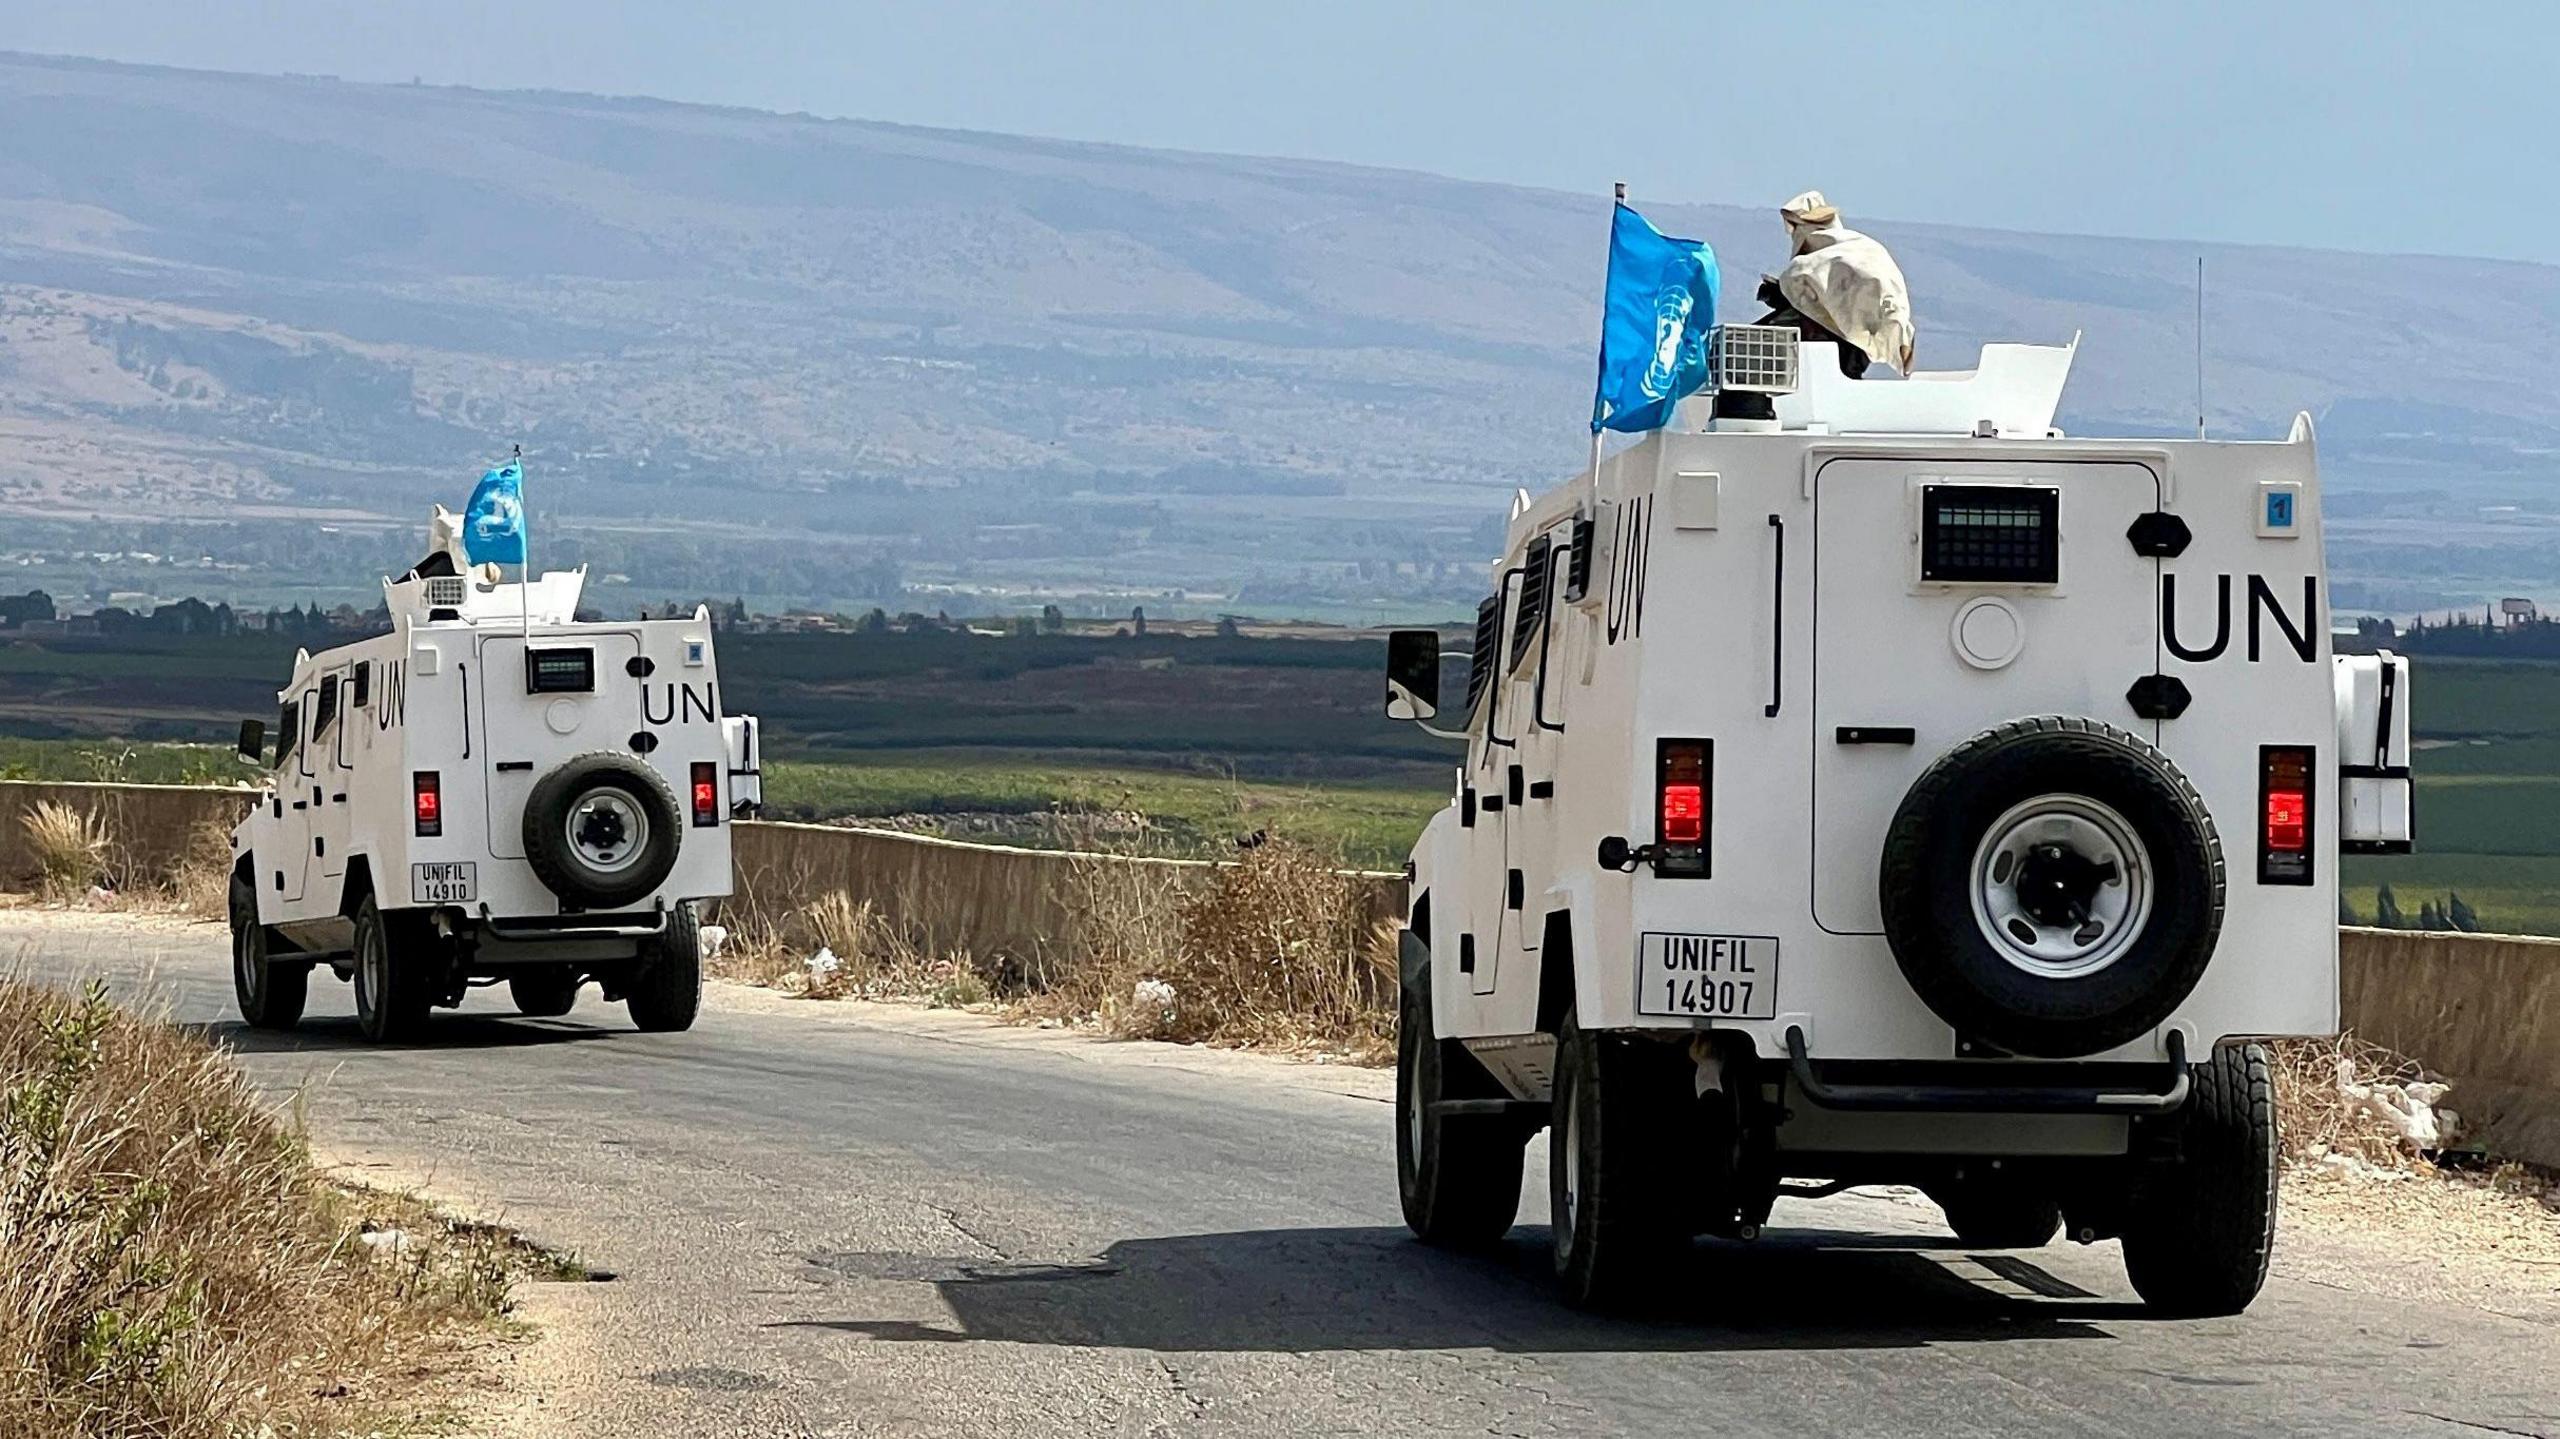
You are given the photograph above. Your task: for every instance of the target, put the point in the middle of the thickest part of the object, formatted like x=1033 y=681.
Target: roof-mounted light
x=1753 y=359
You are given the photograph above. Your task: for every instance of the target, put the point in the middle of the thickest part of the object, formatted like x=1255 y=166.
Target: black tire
x=545 y=991
x=2203 y=1227
x=271 y=994
x=396 y=973
x=1457 y=1175
x=573 y=794
x=1990 y=1215
x=1614 y=1180
x=1926 y=888
x=667 y=993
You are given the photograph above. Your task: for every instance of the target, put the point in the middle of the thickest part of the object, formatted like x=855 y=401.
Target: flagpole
x=1618 y=197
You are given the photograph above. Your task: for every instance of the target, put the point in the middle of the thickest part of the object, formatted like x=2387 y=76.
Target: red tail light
x=1684 y=813
x=1683 y=790
x=427 y=796
x=2284 y=814
x=706 y=793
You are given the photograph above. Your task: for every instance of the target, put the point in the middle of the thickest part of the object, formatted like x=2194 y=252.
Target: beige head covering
x=1809 y=211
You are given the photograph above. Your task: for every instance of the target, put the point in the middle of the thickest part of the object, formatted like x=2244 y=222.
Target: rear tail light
x=1684 y=791
x=2284 y=814
x=706 y=793
x=426 y=792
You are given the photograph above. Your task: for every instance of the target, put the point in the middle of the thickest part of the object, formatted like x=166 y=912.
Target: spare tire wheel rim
x=608 y=830
x=2061 y=886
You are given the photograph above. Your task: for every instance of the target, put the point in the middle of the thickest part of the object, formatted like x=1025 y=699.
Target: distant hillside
x=979 y=359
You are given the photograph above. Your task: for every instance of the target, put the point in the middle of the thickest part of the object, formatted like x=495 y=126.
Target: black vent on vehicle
x=1577 y=566
x=1480 y=660
x=1990 y=534
x=1535 y=575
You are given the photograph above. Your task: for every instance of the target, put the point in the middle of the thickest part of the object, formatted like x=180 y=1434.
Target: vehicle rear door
x=580 y=695
x=1950 y=596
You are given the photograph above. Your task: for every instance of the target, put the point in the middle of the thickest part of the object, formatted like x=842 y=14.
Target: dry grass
x=1275 y=950
x=170 y=1263
x=70 y=848
x=836 y=947
x=2316 y=1115
x=199 y=885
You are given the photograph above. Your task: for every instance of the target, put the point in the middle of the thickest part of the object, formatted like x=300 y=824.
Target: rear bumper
x=1992 y=1086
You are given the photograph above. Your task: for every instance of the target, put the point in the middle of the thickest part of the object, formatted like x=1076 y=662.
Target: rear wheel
x=395 y=973
x=2203 y=1226
x=1457 y=1174
x=271 y=995
x=546 y=992
x=667 y=993
x=1613 y=1170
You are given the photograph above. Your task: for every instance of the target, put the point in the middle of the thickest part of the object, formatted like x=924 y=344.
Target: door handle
x=1777 y=615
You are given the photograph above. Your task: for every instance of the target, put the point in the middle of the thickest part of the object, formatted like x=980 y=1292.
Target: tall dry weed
x=838 y=947
x=70 y=847
x=170 y=1264
x=1276 y=949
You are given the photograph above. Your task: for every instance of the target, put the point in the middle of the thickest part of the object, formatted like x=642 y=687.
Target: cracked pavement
x=836 y=1219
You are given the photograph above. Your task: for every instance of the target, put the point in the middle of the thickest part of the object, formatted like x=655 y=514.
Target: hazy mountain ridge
x=215 y=287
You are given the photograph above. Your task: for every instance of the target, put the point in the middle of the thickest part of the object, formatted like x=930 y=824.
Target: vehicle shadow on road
x=1378 y=1289
x=457 y=1031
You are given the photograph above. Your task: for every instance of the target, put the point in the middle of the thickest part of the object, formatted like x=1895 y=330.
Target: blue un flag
x=1653 y=335
x=493 y=524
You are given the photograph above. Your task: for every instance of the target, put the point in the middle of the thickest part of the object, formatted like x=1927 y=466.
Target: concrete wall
x=982 y=899
x=2481 y=1009
x=151 y=824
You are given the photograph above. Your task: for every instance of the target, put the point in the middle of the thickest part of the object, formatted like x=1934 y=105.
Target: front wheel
x=2203 y=1225
x=1458 y=1175
x=393 y=974
x=271 y=995
x=667 y=993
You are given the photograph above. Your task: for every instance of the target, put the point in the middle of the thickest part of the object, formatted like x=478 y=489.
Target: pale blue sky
x=2357 y=125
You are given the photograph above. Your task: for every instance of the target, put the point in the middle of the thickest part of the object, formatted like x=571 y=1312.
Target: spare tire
x=602 y=830
x=2052 y=887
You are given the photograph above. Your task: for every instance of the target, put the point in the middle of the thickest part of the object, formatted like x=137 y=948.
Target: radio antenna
x=2199 y=347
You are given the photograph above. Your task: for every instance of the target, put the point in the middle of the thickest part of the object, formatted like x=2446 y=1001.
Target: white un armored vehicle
x=1891 y=791
x=490 y=791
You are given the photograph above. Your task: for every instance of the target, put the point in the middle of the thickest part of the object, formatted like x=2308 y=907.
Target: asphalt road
x=843 y=1220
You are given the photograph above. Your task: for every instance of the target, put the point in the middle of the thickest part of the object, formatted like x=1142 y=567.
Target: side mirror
x=253 y=740
x=1413 y=674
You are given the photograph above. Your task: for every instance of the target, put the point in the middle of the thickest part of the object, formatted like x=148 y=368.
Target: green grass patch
x=2512 y=894
x=115 y=761
x=1371 y=823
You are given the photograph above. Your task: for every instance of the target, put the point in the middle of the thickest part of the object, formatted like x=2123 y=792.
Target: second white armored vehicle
x=492 y=791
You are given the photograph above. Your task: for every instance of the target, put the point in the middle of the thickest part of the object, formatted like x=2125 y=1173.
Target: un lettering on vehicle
x=1707 y=976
